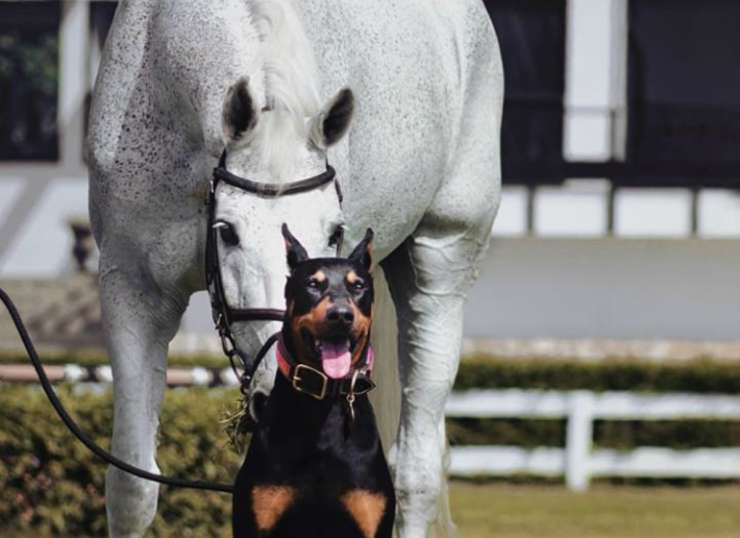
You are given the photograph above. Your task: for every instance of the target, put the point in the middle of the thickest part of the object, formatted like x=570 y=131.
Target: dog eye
x=358 y=285
x=313 y=284
x=227 y=233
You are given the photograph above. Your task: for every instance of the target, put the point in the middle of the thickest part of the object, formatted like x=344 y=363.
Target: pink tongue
x=335 y=358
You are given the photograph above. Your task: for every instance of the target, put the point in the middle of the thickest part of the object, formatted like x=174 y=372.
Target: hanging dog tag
x=351 y=405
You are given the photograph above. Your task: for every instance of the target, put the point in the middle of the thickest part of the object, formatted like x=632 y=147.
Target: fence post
x=73 y=84
x=578 y=440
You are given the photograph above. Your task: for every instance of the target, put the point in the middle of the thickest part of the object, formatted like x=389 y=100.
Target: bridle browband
x=274 y=190
x=223 y=314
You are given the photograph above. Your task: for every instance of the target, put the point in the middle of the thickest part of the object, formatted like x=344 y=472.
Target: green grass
x=537 y=511
x=549 y=511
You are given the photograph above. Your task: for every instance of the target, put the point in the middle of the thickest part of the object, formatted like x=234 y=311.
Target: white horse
x=181 y=80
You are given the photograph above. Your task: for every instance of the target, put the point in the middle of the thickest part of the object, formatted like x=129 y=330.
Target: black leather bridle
x=223 y=314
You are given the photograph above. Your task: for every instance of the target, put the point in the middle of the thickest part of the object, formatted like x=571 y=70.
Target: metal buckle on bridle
x=227 y=342
x=229 y=348
x=298 y=380
x=228 y=345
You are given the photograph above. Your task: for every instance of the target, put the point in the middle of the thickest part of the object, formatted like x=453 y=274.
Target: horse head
x=273 y=146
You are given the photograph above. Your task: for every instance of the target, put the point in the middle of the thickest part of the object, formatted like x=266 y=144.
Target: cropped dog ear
x=362 y=252
x=331 y=124
x=239 y=114
x=294 y=250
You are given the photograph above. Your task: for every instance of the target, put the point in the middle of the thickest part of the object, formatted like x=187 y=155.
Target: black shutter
x=684 y=92
x=531 y=36
x=29 y=66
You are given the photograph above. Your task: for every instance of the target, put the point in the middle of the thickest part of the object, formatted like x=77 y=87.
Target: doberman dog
x=315 y=467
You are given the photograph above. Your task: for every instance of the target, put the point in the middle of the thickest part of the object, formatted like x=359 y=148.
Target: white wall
x=42 y=246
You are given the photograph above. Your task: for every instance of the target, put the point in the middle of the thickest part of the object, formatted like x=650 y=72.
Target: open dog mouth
x=334 y=352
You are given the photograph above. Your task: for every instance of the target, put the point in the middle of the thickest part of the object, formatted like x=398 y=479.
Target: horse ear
x=293 y=249
x=239 y=114
x=332 y=122
x=361 y=253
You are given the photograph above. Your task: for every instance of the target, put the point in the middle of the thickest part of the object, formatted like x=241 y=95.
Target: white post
x=618 y=83
x=595 y=79
x=95 y=56
x=578 y=440
x=73 y=82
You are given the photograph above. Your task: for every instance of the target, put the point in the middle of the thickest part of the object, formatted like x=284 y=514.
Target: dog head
x=328 y=307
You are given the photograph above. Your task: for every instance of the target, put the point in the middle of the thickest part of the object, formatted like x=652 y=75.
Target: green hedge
x=487 y=371
x=612 y=374
x=621 y=435
x=51 y=483
x=699 y=376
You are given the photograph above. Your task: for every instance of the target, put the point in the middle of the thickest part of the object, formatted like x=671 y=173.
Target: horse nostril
x=341 y=315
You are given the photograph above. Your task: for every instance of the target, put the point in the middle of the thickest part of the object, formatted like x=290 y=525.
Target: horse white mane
x=290 y=76
x=288 y=63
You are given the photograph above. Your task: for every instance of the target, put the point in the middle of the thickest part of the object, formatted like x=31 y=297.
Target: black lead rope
x=225 y=314
x=84 y=438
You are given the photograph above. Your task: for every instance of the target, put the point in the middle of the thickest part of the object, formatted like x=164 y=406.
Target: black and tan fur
x=309 y=472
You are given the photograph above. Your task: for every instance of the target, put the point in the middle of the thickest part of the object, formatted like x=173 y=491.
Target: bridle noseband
x=223 y=314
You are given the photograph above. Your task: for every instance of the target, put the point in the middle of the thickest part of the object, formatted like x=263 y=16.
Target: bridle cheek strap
x=223 y=314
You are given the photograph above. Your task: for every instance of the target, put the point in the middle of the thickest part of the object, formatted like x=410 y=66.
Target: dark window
x=684 y=91
x=29 y=55
x=531 y=36
x=101 y=18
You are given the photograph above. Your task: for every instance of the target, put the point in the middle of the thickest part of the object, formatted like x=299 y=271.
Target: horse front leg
x=428 y=279
x=139 y=321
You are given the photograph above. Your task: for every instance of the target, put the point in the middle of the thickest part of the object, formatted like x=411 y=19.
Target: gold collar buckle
x=305 y=369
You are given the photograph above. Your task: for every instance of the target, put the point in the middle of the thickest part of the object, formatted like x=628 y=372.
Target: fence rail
x=577 y=461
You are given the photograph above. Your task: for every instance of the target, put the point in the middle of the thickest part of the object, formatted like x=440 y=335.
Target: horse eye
x=336 y=236
x=227 y=233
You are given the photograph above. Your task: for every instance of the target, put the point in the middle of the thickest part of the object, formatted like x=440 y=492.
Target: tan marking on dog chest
x=366 y=508
x=270 y=503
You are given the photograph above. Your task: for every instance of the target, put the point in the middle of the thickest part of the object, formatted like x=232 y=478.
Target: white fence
x=577 y=461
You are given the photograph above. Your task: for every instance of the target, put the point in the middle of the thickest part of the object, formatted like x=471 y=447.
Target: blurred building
x=621 y=213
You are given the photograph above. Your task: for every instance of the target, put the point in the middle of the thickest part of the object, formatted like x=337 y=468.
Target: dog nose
x=340 y=314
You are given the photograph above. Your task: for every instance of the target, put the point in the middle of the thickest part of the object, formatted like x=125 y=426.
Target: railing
x=577 y=461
